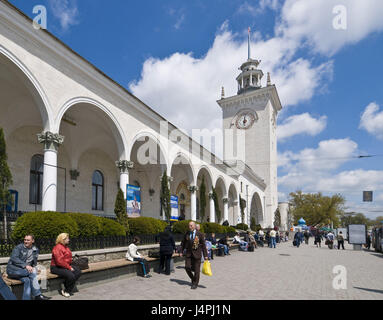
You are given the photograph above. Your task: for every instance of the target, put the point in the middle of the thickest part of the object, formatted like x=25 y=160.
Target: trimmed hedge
x=211 y=227
x=44 y=225
x=88 y=224
x=183 y=226
x=242 y=226
x=48 y=225
x=229 y=229
x=110 y=227
x=146 y=225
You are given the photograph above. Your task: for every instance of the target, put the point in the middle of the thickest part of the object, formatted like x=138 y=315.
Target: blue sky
x=329 y=81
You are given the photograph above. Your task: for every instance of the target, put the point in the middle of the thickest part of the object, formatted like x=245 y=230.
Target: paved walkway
x=283 y=273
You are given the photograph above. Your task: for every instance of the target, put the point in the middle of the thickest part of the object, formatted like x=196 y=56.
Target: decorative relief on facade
x=193 y=188
x=124 y=165
x=51 y=141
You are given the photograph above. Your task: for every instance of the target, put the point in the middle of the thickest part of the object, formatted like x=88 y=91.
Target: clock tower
x=251 y=117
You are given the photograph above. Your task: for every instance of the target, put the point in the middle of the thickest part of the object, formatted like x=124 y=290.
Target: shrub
x=120 y=210
x=88 y=224
x=44 y=225
x=183 y=226
x=242 y=226
x=253 y=224
x=229 y=229
x=146 y=225
x=211 y=227
x=110 y=227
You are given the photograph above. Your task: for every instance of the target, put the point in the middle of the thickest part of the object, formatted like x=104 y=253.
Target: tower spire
x=248 y=45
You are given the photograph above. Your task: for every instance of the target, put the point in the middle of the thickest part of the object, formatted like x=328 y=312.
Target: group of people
x=22 y=265
x=328 y=237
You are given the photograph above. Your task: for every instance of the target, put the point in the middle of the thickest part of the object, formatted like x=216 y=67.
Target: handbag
x=294 y=243
x=80 y=262
x=206 y=268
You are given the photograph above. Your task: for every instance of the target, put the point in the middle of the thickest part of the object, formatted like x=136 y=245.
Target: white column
x=193 y=202
x=51 y=143
x=225 y=209
x=251 y=79
x=212 y=208
x=124 y=166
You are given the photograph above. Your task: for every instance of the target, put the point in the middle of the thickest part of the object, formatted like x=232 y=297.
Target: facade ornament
x=225 y=200
x=193 y=189
x=268 y=79
x=223 y=93
x=74 y=174
x=51 y=141
x=124 y=165
x=210 y=195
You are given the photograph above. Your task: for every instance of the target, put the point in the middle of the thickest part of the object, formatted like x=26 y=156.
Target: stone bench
x=98 y=272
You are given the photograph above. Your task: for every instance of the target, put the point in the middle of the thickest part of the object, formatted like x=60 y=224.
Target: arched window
x=36 y=179
x=97 y=191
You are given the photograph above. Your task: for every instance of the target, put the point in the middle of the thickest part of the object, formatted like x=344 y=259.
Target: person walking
x=61 y=264
x=318 y=240
x=330 y=240
x=273 y=235
x=298 y=237
x=261 y=235
x=167 y=247
x=307 y=236
x=340 y=239
x=368 y=241
x=22 y=266
x=194 y=244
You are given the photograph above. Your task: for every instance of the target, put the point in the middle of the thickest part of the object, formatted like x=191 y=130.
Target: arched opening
x=205 y=175
x=182 y=174
x=256 y=210
x=149 y=164
x=23 y=114
x=233 y=205
x=220 y=189
x=92 y=146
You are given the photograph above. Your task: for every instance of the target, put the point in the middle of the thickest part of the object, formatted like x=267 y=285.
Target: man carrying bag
x=194 y=244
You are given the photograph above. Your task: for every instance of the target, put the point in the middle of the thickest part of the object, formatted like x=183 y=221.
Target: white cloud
x=314 y=170
x=66 y=11
x=372 y=120
x=329 y=155
x=311 y=21
x=181 y=85
x=255 y=9
x=301 y=124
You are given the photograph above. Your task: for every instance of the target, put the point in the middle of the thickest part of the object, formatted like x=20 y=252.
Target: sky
x=325 y=58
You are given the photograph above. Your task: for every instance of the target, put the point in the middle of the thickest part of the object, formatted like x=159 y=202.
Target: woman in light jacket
x=134 y=255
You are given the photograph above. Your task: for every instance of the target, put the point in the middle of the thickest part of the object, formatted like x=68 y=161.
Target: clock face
x=245 y=120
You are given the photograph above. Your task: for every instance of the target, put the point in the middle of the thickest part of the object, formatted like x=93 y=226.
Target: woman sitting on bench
x=133 y=255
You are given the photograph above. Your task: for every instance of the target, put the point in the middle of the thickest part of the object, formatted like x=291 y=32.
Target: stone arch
x=256 y=209
x=233 y=204
x=32 y=84
x=115 y=126
x=182 y=160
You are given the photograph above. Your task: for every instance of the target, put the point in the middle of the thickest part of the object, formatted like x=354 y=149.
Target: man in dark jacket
x=167 y=247
x=194 y=244
x=22 y=266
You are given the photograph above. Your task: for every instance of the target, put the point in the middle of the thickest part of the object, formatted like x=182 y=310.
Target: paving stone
x=286 y=272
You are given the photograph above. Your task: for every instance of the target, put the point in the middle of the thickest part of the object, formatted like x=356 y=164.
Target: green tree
x=354 y=218
x=277 y=218
x=120 y=210
x=165 y=196
x=5 y=181
x=242 y=205
x=216 y=206
x=253 y=224
x=316 y=209
x=202 y=200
